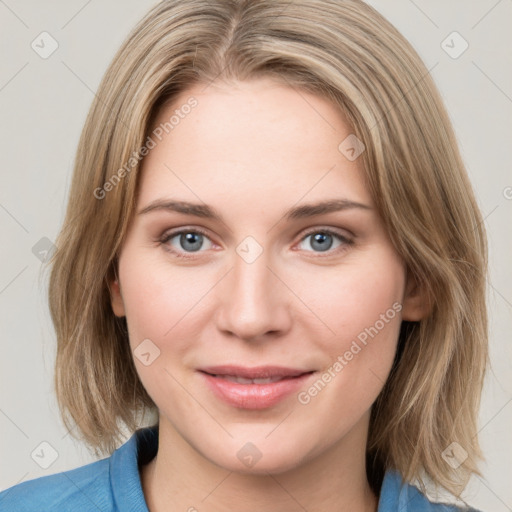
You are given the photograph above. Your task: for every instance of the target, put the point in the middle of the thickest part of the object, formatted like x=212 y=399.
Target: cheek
x=165 y=305
x=159 y=305
x=361 y=306
x=352 y=298
x=157 y=300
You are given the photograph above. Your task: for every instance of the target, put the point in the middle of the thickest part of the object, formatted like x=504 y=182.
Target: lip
x=253 y=396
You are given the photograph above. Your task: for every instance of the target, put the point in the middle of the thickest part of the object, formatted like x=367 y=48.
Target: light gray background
x=43 y=105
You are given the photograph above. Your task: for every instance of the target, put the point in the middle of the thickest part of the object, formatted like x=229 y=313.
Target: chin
x=253 y=459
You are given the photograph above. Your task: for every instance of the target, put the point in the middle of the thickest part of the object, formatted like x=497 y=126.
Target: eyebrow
x=297 y=212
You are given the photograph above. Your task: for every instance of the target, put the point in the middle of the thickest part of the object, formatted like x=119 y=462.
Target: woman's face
x=256 y=252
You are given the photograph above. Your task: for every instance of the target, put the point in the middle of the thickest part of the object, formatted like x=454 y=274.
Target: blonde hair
x=344 y=51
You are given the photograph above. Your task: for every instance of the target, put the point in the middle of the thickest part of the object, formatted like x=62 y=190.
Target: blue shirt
x=113 y=485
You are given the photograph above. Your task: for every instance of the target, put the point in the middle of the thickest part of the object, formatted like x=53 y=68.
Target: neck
x=179 y=478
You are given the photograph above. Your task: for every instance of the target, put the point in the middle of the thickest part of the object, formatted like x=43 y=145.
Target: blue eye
x=323 y=240
x=185 y=242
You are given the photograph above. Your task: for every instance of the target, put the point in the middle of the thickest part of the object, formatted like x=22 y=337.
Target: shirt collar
x=124 y=469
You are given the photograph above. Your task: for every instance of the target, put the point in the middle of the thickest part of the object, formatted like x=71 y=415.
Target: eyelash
x=346 y=242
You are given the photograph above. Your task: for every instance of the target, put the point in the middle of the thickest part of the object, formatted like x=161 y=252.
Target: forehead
x=258 y=141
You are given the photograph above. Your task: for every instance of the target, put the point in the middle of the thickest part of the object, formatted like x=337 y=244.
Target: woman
x=321 y=343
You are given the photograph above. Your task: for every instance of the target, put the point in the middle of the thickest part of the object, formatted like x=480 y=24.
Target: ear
x=116 y=298
x=416 y=304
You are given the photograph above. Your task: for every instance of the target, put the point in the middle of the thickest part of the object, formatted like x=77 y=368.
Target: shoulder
x=110 y=485
x=83 y=488
x=399 y=495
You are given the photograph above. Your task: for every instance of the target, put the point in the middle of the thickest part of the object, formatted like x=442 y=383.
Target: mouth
x=243 y=380
x=253 y=388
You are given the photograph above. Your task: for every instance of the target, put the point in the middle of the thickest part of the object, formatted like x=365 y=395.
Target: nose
x=253 y=302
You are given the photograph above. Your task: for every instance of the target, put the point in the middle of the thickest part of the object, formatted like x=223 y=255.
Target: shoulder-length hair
x=344 y=51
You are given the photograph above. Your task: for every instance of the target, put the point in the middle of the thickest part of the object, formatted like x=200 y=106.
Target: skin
x=252 y=150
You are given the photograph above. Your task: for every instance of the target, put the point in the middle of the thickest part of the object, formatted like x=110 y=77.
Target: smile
x=253 y=388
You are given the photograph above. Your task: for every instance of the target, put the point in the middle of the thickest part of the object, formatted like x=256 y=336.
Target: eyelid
x=169 y=234
x=330 y=231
